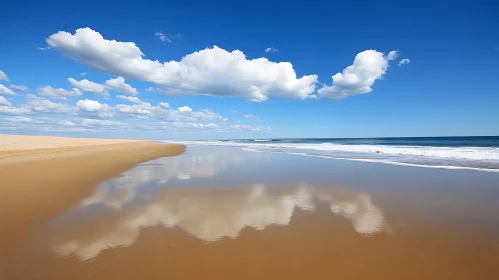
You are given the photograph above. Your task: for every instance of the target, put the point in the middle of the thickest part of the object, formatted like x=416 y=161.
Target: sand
x=20 y=145
x=41 y=176
x=226 y=213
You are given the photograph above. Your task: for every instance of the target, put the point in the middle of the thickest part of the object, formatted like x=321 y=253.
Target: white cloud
x=249 y=128
x=271 y=49
x=68 y=123
x=143 y=109
x=58 y=93
x=3 y=76
x=190 y=125
x=164 y=105
x=185 y=124
x=404 y=61
x=83 y=74
x=162 y=36
x=211 y=125
x=19 y=119
x=359 y=77
x=132 y=99
x=42 y=105
x=392 y=55
x=185 y=109
x=91 y=122
x=4 y=102
x=90 y=105
x=212 y=71
x=205 y=114
x=44 y=48
x=19 y=88
x=8 y=110
x=5 y=90
x=252 y=117
x=89 y=86
x=119 y=85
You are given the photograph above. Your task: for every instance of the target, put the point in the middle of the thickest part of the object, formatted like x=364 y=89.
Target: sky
x=256 y=69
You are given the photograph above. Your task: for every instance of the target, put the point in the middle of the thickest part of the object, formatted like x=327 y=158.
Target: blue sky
x=207 y=92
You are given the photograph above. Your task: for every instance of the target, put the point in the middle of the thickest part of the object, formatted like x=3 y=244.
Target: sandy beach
x=225 y=213
x=41 y=176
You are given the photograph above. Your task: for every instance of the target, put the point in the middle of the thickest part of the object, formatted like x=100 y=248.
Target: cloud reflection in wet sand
x=117 y=192
x=212 y=214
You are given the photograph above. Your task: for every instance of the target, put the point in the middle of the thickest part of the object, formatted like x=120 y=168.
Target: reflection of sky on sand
x=213 y=214
x=118 y=191
x=207 y=213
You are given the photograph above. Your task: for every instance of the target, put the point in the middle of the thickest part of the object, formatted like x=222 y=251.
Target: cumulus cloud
x=89 y=105
x=193 y=125
x=185 y=109
x=92 y=116
x=212 y=71
x=42 y=105
x=20 y=119
x=19 y=87
x=252 y=117
x=5 y=90
x=359 y=77
x=271 y=49
x=91 y=122
x=89 y=86
x=210 y=125
x=9 y=110
x=4 y=102
x=404 y=61
x=132 y=99
x=58 y=93
x=119 y=85
x=3 y=76
x=142 y=110
x=164 y=105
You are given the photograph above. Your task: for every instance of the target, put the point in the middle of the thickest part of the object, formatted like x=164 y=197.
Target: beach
x=227 y=213
x=41 y=176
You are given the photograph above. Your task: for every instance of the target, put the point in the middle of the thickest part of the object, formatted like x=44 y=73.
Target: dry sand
x=41 y=176
x=20 y=145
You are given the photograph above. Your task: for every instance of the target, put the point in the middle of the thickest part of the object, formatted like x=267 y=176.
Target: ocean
x=466 y=152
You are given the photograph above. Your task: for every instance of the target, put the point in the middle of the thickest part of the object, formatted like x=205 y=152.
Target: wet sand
x=42 y=176
x=223 y=213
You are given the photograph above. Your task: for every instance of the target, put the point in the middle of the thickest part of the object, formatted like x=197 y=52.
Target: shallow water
x=225 y=213
x=471 y=153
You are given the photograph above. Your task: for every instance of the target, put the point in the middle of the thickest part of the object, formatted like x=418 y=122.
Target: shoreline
x=311 y=152
x=39 y=183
